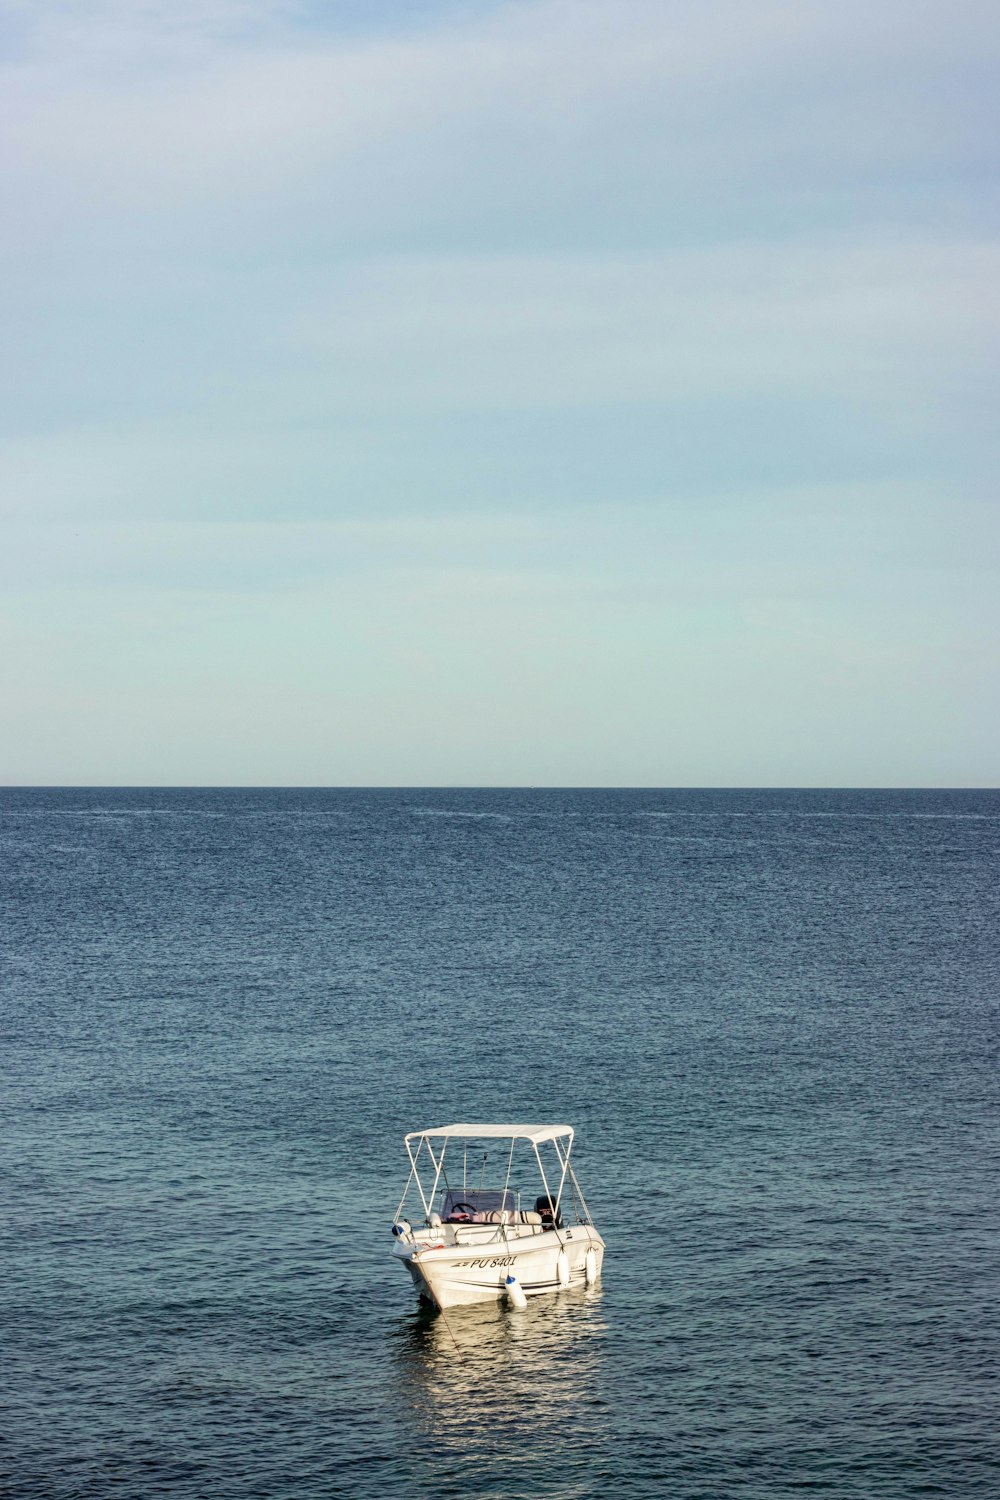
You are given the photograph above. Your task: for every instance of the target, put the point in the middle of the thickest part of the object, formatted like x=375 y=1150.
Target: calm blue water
x=772 y=1017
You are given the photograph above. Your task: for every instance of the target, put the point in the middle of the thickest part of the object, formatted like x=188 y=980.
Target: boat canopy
x=533 y=1133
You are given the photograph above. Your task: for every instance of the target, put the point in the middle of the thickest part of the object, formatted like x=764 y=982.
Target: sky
x=499 y=392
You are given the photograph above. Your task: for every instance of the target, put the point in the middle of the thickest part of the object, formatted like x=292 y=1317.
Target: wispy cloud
x=779 y=317
x=601 y=121
x=637 y=340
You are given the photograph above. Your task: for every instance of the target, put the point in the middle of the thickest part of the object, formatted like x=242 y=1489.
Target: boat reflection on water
x=511 y=1401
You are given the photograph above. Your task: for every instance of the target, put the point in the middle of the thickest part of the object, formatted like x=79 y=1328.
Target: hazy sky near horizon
x=467 y=392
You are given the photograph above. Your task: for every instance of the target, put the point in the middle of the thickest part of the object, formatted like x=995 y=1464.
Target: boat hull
x=455 y=1275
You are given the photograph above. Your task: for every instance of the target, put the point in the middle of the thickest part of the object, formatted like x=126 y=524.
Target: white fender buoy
x=562 y=1268
x=591 y=1266
x=515 y=1294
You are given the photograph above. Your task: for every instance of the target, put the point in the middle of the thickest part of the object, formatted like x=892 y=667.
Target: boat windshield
x=477 y=1203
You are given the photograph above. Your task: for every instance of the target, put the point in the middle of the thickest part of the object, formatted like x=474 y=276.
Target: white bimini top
x=533 y=1133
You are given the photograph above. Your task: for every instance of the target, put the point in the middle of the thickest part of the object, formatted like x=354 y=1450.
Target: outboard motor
x=551 y=1219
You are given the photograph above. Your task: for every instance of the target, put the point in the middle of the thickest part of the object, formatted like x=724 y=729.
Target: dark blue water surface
x=772 y=1017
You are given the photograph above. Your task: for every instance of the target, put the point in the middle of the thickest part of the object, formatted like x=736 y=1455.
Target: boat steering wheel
x=465 y=1209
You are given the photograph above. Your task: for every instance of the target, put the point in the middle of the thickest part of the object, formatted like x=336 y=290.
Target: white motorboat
x=476 y=1238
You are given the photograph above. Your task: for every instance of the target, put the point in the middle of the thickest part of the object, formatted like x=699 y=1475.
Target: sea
x=770 y=1016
